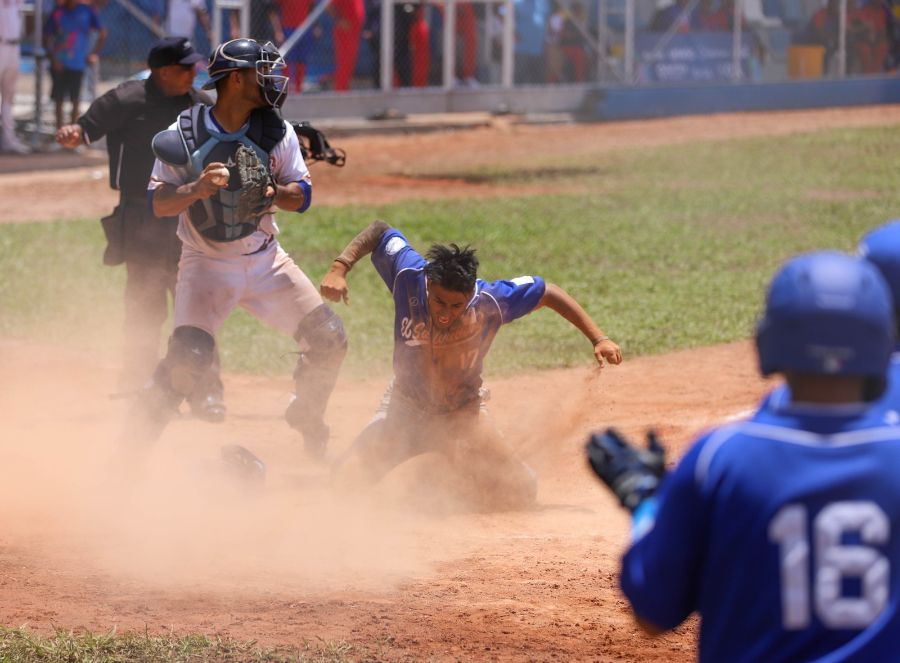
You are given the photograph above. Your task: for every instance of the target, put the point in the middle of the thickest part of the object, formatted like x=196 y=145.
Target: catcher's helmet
x=250 y=54
x=881 y=247
x=827 y=313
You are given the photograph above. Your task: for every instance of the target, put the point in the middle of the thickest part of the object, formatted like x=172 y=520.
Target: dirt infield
x=80 y=549
x=176 y=547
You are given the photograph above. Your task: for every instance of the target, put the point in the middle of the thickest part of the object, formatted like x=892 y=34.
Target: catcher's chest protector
x=216 y=217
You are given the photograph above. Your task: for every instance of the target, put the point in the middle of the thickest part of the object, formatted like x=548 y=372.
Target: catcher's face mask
x=270 y=74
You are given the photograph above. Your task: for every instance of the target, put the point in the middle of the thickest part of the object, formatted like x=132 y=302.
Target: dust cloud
x=174 y=516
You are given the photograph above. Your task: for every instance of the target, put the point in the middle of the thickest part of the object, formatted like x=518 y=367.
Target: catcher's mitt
x=631 y=473
x=254 y=198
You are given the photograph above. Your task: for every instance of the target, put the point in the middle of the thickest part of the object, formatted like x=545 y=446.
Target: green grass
x=668 y=248
x=21 y=645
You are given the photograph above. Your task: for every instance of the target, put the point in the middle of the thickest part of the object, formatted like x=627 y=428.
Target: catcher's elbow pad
x=170 y=148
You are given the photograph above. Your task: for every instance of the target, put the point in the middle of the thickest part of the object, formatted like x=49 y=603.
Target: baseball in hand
x=219 y=176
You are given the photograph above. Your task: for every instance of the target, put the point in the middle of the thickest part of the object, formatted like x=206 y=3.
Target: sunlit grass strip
x=21 y=645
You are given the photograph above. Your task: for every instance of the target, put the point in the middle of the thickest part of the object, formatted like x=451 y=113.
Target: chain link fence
x=337 y=45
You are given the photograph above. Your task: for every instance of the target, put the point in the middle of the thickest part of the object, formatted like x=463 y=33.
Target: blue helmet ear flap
x=169 y=147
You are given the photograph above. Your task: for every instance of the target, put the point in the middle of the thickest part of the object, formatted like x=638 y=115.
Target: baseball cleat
x=210 y=408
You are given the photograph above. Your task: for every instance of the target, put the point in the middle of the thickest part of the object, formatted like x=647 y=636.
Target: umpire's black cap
x=173 y=50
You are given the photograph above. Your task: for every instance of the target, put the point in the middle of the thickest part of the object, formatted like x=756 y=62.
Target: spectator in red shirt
x=711 y=17
x=867 y=46
x=293 y=13
x=349 y=16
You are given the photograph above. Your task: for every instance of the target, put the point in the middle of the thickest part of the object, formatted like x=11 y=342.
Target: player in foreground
x=222 y=168
x=780 y=531
x=881 y=247
x=445 y=321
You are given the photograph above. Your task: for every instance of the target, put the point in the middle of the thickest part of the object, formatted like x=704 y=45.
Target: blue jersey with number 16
x=783 y=532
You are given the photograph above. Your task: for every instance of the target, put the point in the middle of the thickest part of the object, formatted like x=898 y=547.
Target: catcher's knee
x=317 y=368
x=323 y=331
x=191 y=353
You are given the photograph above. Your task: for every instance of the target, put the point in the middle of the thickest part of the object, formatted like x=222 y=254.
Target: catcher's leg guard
x=207 y=400
x=315 y=375
x=188 y=358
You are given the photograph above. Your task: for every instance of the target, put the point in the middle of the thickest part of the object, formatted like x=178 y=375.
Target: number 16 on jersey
x=833 y=561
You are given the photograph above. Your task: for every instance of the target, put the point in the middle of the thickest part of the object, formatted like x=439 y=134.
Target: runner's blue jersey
x=440 y=370
x=783 y=532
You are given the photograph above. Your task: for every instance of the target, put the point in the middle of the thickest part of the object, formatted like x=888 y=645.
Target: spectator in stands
x=869 y=22
x=867 y=45
x=92 y=71
x=293 y=14
x=349 y=16
x=531 y=17
x=419 y=46
x=265 y=23
x=553 y=44
x=10 y=33
x=494 y=31
x=467 y=33
x=67 y=34
x=892 y=16
x=412 y=55
x=182 y=17
x=713 y=15
x=565 y=44
x=371 y=32
x=574 y=43
x=677 y=16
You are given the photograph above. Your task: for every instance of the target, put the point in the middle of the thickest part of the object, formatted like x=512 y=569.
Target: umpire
x=130 y=115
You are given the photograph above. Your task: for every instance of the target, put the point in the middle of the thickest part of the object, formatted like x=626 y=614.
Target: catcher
x=445 y=321
x=222 y=168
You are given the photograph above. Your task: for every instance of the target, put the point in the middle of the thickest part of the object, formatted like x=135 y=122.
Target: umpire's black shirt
x=130 y=115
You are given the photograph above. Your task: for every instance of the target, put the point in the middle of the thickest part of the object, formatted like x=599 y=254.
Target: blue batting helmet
x=827 y=313
x=881 y=247
x=265 y=59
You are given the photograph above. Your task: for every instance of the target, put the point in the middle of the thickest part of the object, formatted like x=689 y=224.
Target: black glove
x=632 y=474
x=314 y=146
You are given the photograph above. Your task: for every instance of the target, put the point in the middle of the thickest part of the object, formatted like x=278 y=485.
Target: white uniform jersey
x=286 y=165
x=182 y=17
x=10 y=20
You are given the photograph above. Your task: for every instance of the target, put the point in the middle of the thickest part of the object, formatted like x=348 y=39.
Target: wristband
x=601 y=339
x=346 y=263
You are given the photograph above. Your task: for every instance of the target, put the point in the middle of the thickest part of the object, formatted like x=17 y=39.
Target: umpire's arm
x=104 y=115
